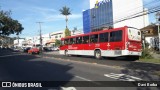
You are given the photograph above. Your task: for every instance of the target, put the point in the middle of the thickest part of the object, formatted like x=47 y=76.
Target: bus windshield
x=134 y=34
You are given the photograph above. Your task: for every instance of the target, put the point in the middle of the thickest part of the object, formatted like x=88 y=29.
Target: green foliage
x=65 y=11
x=146 y=54
x=67 y=32
x=8 y=25
x=57 y=43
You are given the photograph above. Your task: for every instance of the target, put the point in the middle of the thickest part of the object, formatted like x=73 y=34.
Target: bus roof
x=95 y=32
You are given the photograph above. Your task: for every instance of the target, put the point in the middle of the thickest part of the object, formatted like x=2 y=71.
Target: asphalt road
x=15 y=66
x=126 y=64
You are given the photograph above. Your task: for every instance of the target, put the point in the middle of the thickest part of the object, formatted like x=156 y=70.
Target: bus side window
x=78 y=40
x=66 y=41
x=94 y=38
x=71 y=41
x=74 y=41
x=116 y=36
x=62 y=42
x=112 y=36
x=119 y=35
x=103 y=37
x=86 y=39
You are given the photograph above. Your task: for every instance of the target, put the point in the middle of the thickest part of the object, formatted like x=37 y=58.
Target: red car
x=33 y=51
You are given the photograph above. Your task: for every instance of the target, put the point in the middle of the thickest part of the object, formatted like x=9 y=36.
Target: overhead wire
x=150 y=10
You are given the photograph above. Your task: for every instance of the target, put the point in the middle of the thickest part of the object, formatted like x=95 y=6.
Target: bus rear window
x=139 y=33
x=134 y=34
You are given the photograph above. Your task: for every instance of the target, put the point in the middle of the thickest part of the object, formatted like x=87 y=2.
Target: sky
x=28 y=12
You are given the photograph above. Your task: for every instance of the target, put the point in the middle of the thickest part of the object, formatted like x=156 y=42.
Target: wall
x=124 y=9
x=128 y=9
x=20 y=44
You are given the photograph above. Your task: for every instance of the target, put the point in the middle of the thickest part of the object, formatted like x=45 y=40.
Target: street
x=17 y=66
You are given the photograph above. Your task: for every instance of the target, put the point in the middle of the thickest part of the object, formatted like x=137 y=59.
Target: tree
x=57 y=43
x=65 y=11
x=67 y=32
x=8 y=25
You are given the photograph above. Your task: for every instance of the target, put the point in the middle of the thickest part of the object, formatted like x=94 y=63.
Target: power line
x=153 y=10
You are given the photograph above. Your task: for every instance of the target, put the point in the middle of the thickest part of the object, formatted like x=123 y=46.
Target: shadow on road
x=147 y=71
x=32 y=68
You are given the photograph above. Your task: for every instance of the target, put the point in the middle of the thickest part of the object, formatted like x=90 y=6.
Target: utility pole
x=40 y=36
x=158 y=22
x=143 y=36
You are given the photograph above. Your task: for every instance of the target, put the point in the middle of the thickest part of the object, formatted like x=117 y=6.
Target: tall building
x=114 y=13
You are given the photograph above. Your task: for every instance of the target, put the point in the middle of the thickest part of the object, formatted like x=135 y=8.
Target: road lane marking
x=122 y=77
x=10 y=55
x=68 y=88
x=85 y=79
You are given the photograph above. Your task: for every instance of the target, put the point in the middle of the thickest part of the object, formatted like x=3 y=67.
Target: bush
x=146 y=54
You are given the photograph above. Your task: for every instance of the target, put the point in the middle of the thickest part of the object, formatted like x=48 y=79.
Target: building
x=53 y=37
x=61 y=34
x=76 y=32
x=18 y=42
x=150 y=34
x=28 y=42
x=107 y=14
x=45 y=38
x=6 y=41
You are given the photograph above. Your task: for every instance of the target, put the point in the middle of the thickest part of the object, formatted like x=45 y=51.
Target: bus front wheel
x=97 y=54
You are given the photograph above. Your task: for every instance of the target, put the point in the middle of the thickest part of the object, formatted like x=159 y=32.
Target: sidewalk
x=155 y=55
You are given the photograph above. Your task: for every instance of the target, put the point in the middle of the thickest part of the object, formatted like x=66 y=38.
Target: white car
x=56 y=48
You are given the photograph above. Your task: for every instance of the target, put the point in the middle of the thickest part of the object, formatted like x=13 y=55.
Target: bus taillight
x=127 y=45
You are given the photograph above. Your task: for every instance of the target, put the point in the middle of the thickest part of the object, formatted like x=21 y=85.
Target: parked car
x=15 y=49
x=56 y=48
x=26 y=49
x=34 y=51
x=47 y=49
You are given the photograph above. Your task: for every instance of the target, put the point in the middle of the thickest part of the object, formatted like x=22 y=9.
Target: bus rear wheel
x=97 y=54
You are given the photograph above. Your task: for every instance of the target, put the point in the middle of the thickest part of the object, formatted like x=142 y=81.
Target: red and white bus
x=124 y=41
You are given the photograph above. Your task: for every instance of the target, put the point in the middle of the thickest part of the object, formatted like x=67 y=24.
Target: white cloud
x=42 y=10
x=61 y=17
